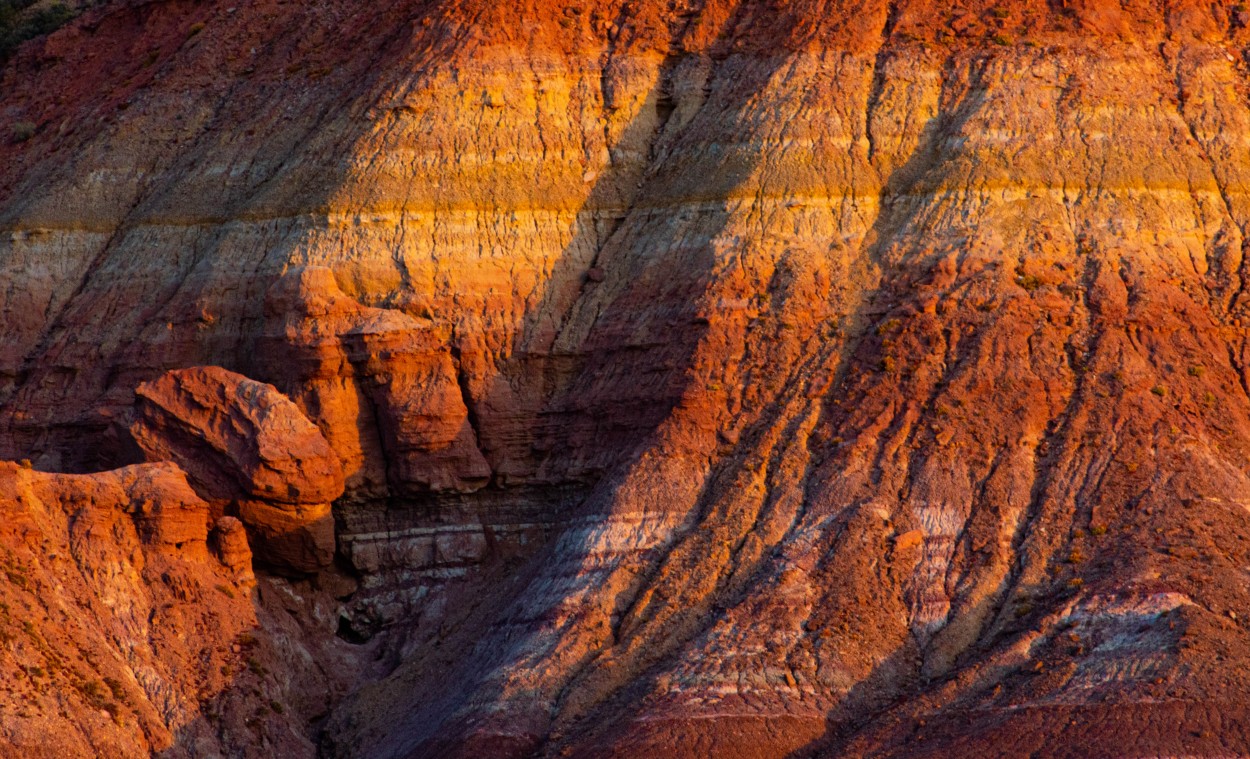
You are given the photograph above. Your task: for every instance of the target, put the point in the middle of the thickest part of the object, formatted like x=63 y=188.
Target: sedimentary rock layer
x=729 y=377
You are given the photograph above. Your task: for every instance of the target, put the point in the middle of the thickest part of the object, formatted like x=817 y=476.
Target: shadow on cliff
x=898 y=680
x=66 y=378
x=657 y=279
x=589 y=410
x=564 y=376
x=898 y=208
x=195 y=302
x=897 y=673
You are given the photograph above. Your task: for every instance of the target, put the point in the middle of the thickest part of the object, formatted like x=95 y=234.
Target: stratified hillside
x=725 y=378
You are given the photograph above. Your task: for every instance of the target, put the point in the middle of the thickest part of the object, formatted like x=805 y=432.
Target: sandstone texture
x=761 y=378
x=130 y=628
x=115 y=619
x=246 y=445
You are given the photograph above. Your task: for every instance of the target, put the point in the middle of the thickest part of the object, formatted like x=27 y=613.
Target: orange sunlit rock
x=691 y=378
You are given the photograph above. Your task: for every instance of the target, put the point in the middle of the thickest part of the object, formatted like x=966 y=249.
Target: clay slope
x=730 y=378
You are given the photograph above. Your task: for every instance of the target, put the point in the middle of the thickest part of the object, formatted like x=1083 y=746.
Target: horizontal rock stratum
x=734 y=378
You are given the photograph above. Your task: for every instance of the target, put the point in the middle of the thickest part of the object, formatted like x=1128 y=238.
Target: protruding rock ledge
x=247 y=449
x=381 y=383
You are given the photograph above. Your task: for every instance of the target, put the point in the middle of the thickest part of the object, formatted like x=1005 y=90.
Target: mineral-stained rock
x=731 y=377
x=380 y=383
x=244 y=443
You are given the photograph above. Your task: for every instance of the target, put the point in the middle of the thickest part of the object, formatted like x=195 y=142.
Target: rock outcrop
x=716 y=377
x=115 y=621
x=381 y=383
x=131 y=628
x=249 y=449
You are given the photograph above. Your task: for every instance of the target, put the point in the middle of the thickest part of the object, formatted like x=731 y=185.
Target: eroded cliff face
x=252 y=453
x=712 y=378
x=133 y=625
x=125 y=618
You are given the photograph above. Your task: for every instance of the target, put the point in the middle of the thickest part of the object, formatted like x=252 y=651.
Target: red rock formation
x=237 y=438
x=129 y=628
x=381 y=384
x=245 y=444
x=114 y=620
x=740 y=377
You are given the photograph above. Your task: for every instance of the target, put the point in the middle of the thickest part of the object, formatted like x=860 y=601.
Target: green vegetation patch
x=21 y=21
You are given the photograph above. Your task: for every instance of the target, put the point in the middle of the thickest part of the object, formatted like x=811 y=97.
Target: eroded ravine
x=739 y=378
